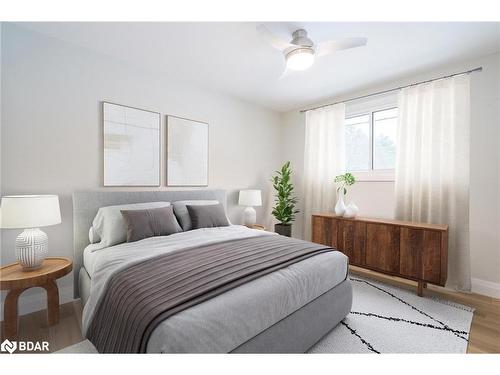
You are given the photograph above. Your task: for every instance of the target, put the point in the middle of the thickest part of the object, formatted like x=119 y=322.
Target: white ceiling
x=233 y=58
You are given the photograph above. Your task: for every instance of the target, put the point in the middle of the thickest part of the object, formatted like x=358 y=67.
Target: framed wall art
x=187 y=152
x=131 y=146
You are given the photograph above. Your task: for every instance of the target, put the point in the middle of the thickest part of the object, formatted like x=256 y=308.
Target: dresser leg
x=420 y=288
x=52 y=302
x=11 y=313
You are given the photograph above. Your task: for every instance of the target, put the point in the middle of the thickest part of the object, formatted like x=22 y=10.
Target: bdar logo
x=8 y=346
x=24 y=346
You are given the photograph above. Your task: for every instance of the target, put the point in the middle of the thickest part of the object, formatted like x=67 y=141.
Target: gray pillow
x=182 y=214
x=109 y=225
x=150 y=222
x=207 y=216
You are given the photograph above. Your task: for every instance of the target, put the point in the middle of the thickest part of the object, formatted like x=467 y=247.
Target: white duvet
x=228 y=320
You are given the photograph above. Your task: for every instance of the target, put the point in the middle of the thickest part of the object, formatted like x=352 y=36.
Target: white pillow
x=109 y=225
x=182 y=214
x=93 y=236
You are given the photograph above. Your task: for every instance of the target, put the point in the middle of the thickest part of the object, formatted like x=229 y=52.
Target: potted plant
x=284 y=210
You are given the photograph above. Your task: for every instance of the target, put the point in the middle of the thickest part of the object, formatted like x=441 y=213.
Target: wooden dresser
x=411 y=250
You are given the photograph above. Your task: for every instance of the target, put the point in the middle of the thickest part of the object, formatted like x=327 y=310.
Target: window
x=371 y=141
x=357 y=140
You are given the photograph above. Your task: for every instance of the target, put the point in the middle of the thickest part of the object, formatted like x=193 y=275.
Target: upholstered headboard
x=86 y=204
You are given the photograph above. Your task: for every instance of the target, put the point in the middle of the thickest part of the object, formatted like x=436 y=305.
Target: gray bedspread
x=145 y=294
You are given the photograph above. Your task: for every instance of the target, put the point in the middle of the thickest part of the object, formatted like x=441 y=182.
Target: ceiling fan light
x=300 y=59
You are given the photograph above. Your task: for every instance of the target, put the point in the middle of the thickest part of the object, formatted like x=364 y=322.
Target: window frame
x=371 y=174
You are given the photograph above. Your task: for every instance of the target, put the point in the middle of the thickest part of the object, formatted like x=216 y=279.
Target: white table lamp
x=30 y=212
x=250 y=199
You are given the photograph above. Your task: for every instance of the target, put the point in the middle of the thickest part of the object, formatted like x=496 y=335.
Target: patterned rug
x=387 y=319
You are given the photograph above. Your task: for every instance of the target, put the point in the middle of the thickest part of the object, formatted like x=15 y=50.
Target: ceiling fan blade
x=331 y=46
x=285 y=74
x=272 y=39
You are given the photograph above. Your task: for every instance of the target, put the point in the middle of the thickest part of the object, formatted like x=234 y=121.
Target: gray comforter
x=226 y=321
x=139 y=298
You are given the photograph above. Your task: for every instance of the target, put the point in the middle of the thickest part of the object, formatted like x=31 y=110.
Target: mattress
x=232 y=318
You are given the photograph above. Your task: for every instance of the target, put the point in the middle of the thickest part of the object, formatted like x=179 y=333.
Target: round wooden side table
x=14 y=279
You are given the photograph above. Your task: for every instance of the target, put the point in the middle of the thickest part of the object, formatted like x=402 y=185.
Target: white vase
x=340 y=206
x=351 y=211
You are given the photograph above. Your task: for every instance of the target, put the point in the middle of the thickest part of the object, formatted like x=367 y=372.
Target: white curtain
x=432 y=165
x=324 y=158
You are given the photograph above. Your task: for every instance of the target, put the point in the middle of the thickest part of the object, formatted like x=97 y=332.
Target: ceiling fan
x=301 y=51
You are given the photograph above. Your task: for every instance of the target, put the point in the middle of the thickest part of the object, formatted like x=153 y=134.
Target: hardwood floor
x=33 y=327
x=484 y=336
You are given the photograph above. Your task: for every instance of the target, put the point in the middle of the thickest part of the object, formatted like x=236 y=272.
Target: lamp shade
x=29 y=211
x=250 y=198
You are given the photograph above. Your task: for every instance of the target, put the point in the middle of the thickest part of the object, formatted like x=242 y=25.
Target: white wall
x=376 y=199
x=51 y=131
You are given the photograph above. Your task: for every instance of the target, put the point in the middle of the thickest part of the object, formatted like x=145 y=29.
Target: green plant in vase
x=284 y=209
x=344 y=181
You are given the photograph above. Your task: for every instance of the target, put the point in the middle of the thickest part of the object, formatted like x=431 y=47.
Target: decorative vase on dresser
x=340 y=206
x=351 y=211
x=344 y=181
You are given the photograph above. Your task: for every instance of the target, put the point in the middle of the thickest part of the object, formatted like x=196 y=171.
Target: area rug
x=387 y=319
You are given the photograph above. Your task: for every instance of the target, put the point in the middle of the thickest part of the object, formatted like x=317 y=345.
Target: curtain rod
x=394 y=89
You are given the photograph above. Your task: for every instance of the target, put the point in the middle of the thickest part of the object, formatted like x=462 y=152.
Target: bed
x=284 y=311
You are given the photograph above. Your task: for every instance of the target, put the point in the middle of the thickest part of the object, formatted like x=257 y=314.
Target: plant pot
x=283 y=229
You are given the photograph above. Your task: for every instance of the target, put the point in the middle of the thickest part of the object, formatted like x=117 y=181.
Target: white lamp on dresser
x=30 y=212
x=250 y=199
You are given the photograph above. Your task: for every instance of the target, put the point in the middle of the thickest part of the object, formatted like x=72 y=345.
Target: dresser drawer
x=352 y=240
x=325 y=230
x=420 y=256
x=382 y=247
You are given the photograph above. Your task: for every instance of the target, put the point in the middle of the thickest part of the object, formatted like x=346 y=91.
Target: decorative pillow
x=208 y=216
x=182 y=214
x=149 y=223
x=110 y=226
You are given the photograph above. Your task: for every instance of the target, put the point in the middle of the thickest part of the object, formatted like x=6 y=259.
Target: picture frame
x=187 y=152
x=131 y=146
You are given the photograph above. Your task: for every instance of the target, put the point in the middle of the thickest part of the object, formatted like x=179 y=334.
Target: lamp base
x=31 y=248
x=249 y=216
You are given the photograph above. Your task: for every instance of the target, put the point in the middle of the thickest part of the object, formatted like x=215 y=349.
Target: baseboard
x=485 y=287
x=38 y=301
